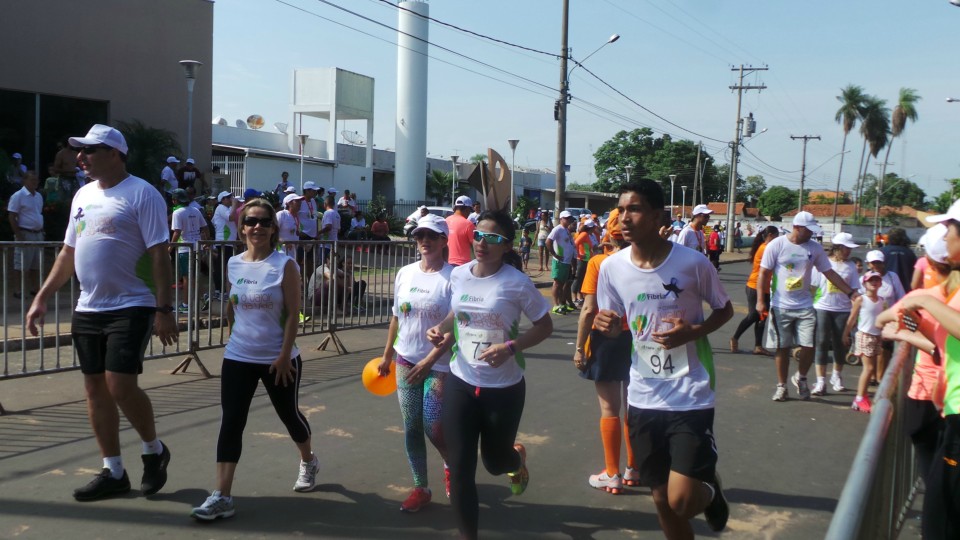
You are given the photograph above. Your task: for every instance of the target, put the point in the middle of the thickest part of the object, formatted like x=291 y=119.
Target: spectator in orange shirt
x=460 y=241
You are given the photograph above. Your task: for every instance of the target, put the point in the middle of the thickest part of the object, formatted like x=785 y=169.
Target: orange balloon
x=374 y=383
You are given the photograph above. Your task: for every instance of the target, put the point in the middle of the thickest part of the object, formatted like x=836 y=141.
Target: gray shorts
x=27 y=258
x=790 y=328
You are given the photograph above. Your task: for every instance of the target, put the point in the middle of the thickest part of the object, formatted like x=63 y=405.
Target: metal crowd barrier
x=359 y=295
x=883 y=478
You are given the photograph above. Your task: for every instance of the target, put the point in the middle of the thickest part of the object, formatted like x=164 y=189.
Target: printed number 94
x=659 y=366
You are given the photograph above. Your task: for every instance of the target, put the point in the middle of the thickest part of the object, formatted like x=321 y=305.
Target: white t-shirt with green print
x=421 y=300
x=563 y=244
x=487 y=311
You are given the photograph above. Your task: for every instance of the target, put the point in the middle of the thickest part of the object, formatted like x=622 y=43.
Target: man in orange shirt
x=460 y=240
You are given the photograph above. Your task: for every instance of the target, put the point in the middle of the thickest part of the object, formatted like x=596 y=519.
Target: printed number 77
x=477 y=344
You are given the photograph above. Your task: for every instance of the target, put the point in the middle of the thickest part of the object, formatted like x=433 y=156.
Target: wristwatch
x=165 y=309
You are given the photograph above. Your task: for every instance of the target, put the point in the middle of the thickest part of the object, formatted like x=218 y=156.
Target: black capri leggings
x=238 y=383
x=753 y=317
x=489 y=417
x=830 y=326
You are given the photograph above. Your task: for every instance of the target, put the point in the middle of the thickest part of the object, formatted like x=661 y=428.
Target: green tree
x=654 y=158
x=875 y=129
x=439 y=184
x=149 y=148
x=851 y=100
x=777 y=200
x=896 y=192
x=943 y=201
x=478 y=157
x=906 y=109
x=753 y=187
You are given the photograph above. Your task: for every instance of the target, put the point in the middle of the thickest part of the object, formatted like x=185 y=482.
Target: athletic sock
x=610 y=435
x=152 y=447
x=115 y=464
x=821 y=379
x=631 y=461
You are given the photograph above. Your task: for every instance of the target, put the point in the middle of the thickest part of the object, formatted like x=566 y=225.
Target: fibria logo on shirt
x=469 y=298
x=419 y=290
x=245 y=281
x=671 y=287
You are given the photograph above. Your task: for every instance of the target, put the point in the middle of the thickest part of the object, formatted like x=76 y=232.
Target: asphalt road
x=783 y=464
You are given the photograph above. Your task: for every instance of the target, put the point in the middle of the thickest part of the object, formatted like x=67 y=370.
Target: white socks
x=115 y=464
x=152 y=447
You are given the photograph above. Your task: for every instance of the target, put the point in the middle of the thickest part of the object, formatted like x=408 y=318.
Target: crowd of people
x=457 y=336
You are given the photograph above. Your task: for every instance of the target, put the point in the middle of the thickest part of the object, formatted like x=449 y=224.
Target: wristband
x=510 y=347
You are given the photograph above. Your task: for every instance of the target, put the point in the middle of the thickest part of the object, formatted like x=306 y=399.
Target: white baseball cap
x=223 y=195
x=463 y=200
x=565 y=214
x=310 y=185
x=101 y=134
x=190 y=161
x=332 y=190
x=432 y=222
x=16 y=155
x=589 y=223
x=845 y=239
x=702 y=209
x=291 y=197
x=875 y=256
x=934 y=243
x=807 y=221
x=422 y=208
x=290 y=189
x=173 y=159
x=952 y=213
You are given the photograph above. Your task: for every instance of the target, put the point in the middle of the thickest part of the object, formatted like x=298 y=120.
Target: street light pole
x=303 y=143
x=629 y=169
x=673 y=178
x=453 y=185
x=513 y=168
x=190 y=70
x=683 y=204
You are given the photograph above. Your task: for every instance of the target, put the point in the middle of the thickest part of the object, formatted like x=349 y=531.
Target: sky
x=674 y=57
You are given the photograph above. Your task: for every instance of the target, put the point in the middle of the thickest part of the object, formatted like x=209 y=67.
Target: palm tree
x=905 y=110
x=438 y=185
x=851 y=102
x=875 y=129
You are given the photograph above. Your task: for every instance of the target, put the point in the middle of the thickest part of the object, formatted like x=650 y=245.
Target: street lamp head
x=628 y=168
x=455 y=158
x=673 y=177
x=617 y=36
x=190 y=68
x=950 y=99
x=513 y=143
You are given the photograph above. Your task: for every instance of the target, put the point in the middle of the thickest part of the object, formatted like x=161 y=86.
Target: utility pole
x=735 y=146
x=803 y=165
x=560 y=111
x=696 y=175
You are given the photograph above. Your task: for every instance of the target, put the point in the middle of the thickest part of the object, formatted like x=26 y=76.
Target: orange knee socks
x=631 y=462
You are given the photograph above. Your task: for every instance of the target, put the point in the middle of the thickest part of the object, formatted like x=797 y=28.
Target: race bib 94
x=655 y=362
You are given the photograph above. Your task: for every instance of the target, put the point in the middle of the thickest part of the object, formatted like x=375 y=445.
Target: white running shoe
x=819 y=389
x=631 y=477
x=803 y=390
x=308 y=475
x=216 y=506
x=780 y=394
x=607 y=483
x=837 y=382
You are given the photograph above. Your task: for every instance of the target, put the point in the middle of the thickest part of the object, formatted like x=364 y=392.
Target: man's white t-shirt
x=680 y=379
x=473 y=217
x=256 y=295
x=332 y=218
x=308 y=217
x=421 y=301
x=188 y=221
x=168 y=176
x=828 y=296
x=28 y=207
x=487 y=311
x=344 y=201
x=792 y=265
x=563 y=244
x=110 y=231
x=224 y=229
x=692 y=238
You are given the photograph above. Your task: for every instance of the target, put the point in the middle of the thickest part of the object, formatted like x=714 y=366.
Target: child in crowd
x=864 y=315
x=525 y=244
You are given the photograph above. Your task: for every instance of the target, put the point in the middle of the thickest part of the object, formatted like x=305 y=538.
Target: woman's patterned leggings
x=420 y=405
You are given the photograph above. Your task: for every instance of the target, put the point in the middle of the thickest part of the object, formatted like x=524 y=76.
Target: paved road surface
x=784 y=464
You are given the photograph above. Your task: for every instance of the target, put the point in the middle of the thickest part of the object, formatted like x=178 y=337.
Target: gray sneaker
x=308 y=475
x=819 y=388
x=780 y=394
x=215 y=507
x=803 y=390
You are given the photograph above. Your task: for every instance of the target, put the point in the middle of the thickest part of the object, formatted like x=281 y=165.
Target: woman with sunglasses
x=421 y=300
x=264 y=298
x=484 y=394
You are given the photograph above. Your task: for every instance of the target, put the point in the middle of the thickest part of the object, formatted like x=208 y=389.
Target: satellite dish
x=220 y=121
x=352 y=137
x=281 y=127
x=255 y=121
x=240 y=124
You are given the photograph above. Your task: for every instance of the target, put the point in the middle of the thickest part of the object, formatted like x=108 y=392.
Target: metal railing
x=344 y=285
x=883 y=478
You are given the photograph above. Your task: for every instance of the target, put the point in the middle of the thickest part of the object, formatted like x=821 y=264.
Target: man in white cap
x=25 y=213
x=793 y=321
x=561 y=249
x=224 y=232
x=308 y=214
x=288 y=221
x=692 y=233
x=460 y=241
x=187 y=226
x=116 y=219
x=189 y=175
x=168 y=177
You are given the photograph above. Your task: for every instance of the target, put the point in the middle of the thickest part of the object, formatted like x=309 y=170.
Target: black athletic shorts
x=609 y=357
x=680 y=441
x=112 y=340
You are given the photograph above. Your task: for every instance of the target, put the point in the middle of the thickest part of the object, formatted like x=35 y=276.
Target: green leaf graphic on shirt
x=406 y=308
x=234 y=299
x=81 y=225
x=639 y=324
x=463 y=318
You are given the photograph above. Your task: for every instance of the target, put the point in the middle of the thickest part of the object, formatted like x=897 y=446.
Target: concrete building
x=68 y=66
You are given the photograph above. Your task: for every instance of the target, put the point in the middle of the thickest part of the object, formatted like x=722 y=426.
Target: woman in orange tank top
x=755 y=318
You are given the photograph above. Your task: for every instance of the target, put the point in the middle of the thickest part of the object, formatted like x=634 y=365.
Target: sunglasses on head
x=491 y=238
x=264 y=222
x=87 y=150
x=429 y=235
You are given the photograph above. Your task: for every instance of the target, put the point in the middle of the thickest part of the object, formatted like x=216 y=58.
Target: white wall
x=263 y=173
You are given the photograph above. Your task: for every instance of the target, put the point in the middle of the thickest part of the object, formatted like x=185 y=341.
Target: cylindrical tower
x=411 y=158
